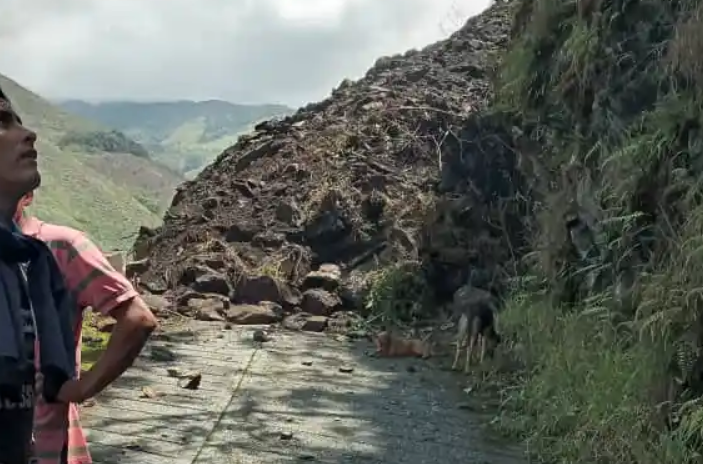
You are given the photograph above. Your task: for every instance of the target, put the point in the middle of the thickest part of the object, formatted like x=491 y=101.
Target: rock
x=175 y=372
x=162 y=354
x=343 y=321
x=268 y=239
x=192 y=381
x=346 y=369
x=275 y=307
x=315 y=324
x=305 y=322
x=358 y=334
x=353 y=291
x=294 y=321
x=214 y=263
x=156 y=303
x=185 y=298
x=286 y=435
x=288 y=212
x=246 y=314
x=240 y=233
x=253 y=290
x=143 y=242
x=212 y=282
x=207 y=309
x=215 y=304
x=260 y=336
x=155 y=286
x=211 y=203
x=106 y=325
x=208 y=315
x=148 y=392
x=134 y=268
x=319 y=302
x=89 y=339
x=327 y=277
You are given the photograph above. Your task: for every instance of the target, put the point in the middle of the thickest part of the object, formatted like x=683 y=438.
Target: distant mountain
x=94 y=178
x=184 y=135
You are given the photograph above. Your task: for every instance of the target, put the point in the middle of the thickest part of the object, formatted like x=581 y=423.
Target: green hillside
x=104 y=191
x=183 y=135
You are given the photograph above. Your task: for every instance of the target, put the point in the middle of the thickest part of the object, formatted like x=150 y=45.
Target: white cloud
x=289 y=51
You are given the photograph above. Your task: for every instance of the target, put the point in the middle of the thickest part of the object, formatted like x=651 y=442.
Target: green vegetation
x=183 y=135
x=94 y=341
x=397 y=294
x=611 y=92
x=103 y=141
x=98 y=192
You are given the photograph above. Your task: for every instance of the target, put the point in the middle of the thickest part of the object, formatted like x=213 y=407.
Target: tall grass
x=587 y=395
x=610 y=90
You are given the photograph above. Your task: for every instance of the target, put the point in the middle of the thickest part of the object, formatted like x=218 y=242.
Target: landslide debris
x=362 y=177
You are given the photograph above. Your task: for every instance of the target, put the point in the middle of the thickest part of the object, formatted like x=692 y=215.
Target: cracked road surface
x=297 y=398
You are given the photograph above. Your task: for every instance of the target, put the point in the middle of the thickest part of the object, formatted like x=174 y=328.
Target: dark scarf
x=53 y=313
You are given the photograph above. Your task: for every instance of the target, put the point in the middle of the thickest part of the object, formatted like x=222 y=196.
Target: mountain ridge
x=184 y=134
x=107 y=194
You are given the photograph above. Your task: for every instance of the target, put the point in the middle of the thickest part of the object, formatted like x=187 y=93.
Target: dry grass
x=686 y=47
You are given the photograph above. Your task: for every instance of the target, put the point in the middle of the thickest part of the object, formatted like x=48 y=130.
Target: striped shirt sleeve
x=91 y=278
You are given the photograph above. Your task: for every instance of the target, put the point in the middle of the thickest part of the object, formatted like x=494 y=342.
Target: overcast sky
x=246 y=51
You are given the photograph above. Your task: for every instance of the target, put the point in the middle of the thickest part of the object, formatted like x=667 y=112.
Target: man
x=34 y=303
x=96 y=284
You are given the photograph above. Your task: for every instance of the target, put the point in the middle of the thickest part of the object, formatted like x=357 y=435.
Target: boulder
x=319 y=302
x=247 y=314
x=327 y=277
x=253 y=290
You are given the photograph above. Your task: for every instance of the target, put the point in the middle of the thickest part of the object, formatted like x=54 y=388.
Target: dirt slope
x=82 y=186
x=342 y=181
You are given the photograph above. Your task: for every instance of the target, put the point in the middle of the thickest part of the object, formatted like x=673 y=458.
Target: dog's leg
x=469 y=352
x=461 y=339
x=459 y=346
x=483 y=348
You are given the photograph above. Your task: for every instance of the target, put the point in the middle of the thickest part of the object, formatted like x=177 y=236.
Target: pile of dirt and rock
x=286 y=223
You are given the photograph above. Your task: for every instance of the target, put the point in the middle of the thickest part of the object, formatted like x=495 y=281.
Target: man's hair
x=3 y=96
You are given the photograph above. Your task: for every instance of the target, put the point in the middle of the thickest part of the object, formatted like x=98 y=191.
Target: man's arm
x=98 y=285
x=135 y=322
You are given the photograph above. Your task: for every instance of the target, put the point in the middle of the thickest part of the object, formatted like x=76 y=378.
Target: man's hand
x=74 y=391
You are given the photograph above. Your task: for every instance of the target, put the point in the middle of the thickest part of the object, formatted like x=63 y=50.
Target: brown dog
x=476 y=325
x=389 y=345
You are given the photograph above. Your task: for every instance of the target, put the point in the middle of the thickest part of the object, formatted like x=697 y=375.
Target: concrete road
x=297 y=398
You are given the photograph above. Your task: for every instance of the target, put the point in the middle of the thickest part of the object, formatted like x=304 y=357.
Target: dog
x=476 y=325
x=389 y=345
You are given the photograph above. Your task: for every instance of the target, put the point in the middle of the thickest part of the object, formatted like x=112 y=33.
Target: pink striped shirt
x=95 y=284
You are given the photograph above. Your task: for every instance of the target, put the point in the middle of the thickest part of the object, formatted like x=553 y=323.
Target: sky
x=244 y=51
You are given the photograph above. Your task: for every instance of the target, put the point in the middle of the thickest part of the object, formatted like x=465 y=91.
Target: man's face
x=18 y=158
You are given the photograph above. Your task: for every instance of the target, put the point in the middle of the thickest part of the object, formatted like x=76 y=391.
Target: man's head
x=18 y=157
